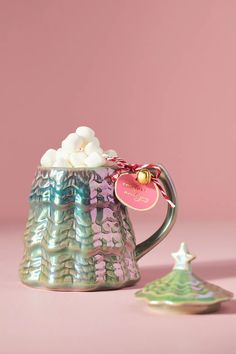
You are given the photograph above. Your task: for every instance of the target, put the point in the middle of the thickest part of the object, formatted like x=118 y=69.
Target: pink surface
x=155 y=79
x=43 y=322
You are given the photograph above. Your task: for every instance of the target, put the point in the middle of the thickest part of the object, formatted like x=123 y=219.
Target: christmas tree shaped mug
x=79 y=236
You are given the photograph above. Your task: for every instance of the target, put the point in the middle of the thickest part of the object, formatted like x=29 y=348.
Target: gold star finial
x=183 y=258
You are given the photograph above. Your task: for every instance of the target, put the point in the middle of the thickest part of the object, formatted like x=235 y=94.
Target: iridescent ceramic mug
x=79 y=236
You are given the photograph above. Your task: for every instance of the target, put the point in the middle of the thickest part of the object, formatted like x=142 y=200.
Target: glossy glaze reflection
x=78 y=236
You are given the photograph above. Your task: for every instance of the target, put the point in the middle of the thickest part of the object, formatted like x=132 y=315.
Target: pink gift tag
x=134 y=194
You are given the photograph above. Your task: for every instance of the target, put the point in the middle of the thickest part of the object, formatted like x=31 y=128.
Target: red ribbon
x=133 y=168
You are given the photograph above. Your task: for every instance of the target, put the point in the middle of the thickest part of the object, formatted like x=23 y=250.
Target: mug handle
x=147 y=245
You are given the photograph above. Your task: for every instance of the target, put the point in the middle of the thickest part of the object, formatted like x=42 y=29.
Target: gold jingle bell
x=144 y=176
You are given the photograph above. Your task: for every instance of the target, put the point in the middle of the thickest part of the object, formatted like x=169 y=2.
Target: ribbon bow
x=133 y=168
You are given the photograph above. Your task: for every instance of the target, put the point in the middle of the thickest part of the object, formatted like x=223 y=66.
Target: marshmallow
x=72 y=143
x=62 y=153
x=92 y=146
x=77 y=159
x=95 y=159
x=110 y=153
x=61 y=162
x=86 y=132
x=48 y=158
x=80 y=149
x=96 y=141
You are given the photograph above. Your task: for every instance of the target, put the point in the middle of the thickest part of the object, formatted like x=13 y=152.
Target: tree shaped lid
x=181 y=290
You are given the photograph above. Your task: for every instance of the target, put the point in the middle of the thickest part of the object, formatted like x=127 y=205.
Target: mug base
x=80 y=288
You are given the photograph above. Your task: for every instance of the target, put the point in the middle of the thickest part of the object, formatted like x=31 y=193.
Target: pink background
x=155 y=79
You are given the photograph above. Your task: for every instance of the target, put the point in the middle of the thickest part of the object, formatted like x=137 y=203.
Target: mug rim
x=76 y=168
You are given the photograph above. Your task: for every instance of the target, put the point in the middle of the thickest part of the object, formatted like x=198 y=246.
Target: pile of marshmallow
x=79 y=149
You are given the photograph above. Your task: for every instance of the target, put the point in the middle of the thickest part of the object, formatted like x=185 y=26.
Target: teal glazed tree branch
x=78 y=236
x=147 y=245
